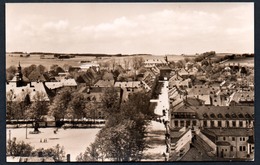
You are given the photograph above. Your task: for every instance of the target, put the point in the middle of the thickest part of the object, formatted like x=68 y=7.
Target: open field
x=27 y=61
x=35 y=59
x=74 y=141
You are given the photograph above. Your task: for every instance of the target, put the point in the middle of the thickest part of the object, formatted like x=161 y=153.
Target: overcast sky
x=161 y=28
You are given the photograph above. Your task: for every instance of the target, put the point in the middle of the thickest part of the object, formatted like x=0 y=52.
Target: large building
x=17 y=89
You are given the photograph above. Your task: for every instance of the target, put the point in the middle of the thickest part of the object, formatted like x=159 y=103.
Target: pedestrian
x=40 y=140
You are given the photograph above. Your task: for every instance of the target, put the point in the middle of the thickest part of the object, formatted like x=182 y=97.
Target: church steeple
x=19 y=76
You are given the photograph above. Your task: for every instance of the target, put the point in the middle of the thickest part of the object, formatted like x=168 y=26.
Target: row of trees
x=123 y=137
x=67 y=103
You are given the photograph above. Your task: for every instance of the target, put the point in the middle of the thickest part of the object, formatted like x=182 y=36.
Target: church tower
x=19 y=76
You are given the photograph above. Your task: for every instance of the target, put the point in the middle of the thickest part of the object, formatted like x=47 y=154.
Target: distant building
x=87 y=65
x=154 y=62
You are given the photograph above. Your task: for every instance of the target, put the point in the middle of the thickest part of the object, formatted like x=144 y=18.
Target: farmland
x=35 y=59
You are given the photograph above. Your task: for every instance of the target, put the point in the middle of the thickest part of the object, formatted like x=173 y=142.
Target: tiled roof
x=242 y=96
x=105 y=83
x=230 y=131
x=218 y=112
x=68 y=82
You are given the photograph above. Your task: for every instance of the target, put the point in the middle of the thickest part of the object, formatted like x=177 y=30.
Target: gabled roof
x=105 y=83
x=230 y=131
x=218 y=112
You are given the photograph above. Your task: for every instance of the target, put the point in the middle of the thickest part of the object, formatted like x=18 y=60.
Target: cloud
x=58 y=25
x=160 y=31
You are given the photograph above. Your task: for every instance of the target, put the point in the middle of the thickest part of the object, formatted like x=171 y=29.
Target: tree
x=10 y=72
x=126 y=63
x=66 y=67
x=77 y=106
x=111 y=101
x=38 y=108
x=18 y=148
x=41 y=69
x=123 y=137
x=113 y=63
x=27 y=70
x=60 y=104
x=91 y=154
x=10 y=105
x=34 y=75
x=137 y=62
x=56 y=152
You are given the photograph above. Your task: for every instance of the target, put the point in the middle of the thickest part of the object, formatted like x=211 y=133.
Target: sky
x=130 y=28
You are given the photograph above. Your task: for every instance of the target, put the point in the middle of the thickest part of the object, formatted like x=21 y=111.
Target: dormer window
x=212 y=115
x=240 y=115
x=220 y=115
x=227 y=115
x=234 y=115
x=205 y=115
x=247 y=115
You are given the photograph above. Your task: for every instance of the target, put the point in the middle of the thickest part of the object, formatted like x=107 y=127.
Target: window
x=194 y=122
x=240 y=148
x=231 y=148
x=176 y=123
x=219 y=123
x=188 y=123
x=240 y=124
x=244 y=148
x=182 y=123
x=205 y=123
x=233 y=138
x=212 y=123
x=224 y=138
x=227 y=123
x=234 y=123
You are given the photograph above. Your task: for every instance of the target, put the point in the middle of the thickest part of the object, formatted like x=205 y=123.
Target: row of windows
x=211 y=123
x=241 y=148
x=219 y=124
x=233 y=138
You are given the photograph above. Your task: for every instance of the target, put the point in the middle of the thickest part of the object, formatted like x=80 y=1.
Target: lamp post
x=26 y=132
